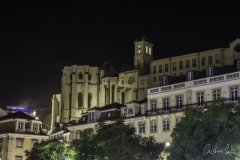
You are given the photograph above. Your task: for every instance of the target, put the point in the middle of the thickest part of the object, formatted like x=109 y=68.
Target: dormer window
x=164 y=80
x=209 y=72
x=190 y=75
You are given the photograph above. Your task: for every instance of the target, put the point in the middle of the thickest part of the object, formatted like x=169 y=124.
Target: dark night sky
x=39 y=39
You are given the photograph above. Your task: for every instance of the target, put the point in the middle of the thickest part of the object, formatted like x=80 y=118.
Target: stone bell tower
x=143 y=55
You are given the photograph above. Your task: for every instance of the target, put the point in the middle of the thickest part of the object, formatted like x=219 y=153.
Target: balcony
x=183 y=108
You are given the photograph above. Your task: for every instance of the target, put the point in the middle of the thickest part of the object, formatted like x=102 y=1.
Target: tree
x=51 y=150
x=117 y=141
x=212 y=133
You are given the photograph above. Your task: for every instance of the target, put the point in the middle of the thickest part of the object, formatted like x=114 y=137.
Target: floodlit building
x=18 y=133
x=153 y=96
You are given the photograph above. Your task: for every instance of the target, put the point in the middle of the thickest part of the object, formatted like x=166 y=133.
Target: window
x=91 y=116
x=190 y=75
x=142 y=127
x=165 y=104
x=18 y=158
x=238 y=64
x=89 y=100
x=150 y=50
x=203 y=61
x=217 y=59
x=34 y=141
x=1 y=144
x=154 y=79
x=153 y=126
x=200 y=99
x=194 y=62
x=153 y=105
x=174 y=66
x=154 y=70
x=166 y=67
x=139 y=49
x=113 y=93
x=216 y=94
x=160 y=68
x=181 y=65
x=122 y=98
x=187 y=64
x=164 y=80
x=233 y=94
x=146 y=49
x=130 y=110
x=166 y=125
x=179 y=102
x=209 y=71
x=35 y=127
x=210 y=60
x=19 y=143
x=89 y=77
x=20 y=125
x=109 y=114
x=80 y=75
x=80 y=100
x=142 y=82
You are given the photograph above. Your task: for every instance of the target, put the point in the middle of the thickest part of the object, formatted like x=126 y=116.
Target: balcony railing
x=194 y=83
x=183 y=108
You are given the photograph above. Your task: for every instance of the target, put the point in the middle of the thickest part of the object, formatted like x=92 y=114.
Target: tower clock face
x=130 y=80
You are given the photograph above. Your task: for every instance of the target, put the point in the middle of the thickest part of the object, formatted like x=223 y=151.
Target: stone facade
x=85 y=87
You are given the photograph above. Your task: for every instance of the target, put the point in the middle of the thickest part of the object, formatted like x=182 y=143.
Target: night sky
x=39 y=39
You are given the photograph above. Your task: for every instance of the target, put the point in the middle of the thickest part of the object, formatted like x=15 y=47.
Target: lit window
x=150 y=51
x=209 y=71
x=18 y=158
x=146 y=49
x=200 y=98
x=19 y=143
x=166 y=125
x=142 y=127
x=216 y=94
x=165 y=104
x=179 y=102
x=20 y=125
x=233 y=94
x=139 y=49
x=35 y=127
x=153 y=105
x=153 y=126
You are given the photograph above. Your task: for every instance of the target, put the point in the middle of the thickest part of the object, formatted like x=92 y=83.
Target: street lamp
x=165 y=154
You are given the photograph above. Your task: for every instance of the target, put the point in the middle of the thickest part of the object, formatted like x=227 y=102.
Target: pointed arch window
x=80 y=100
